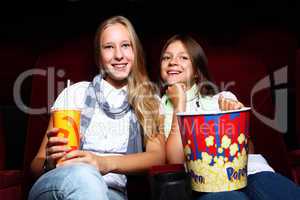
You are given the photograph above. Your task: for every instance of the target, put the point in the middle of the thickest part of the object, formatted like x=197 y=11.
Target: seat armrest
x=294 y=157
x=170 y=168
x=10 y=178
x=169 y=182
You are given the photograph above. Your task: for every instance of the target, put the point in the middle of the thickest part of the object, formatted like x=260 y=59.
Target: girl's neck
x=192 y=92
x=116 y=83
x=189 y=85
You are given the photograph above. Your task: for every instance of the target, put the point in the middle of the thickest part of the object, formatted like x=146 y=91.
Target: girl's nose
x=174 y=60
x=118 y=54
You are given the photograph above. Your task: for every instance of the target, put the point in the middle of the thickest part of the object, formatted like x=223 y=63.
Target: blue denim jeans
x=261 y=186
x=233 y=195
x=271 y=186
x=78 y=181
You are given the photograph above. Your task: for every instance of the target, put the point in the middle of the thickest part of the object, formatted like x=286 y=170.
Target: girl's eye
x=126 y=45
x=166 y=58
x=108 y=47
x=184 y=57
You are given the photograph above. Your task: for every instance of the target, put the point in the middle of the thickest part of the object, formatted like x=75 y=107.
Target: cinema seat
x=10 y=180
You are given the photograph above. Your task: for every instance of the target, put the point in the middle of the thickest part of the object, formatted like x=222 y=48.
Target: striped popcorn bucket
x=216 y=147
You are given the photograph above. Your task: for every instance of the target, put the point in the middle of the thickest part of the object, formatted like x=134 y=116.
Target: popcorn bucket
x=215 y=147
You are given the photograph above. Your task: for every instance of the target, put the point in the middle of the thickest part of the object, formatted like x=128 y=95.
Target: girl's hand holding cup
x=56 y=147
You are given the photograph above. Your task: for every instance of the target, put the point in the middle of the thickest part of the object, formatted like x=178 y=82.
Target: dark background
x=38 y=26
x=36 y=22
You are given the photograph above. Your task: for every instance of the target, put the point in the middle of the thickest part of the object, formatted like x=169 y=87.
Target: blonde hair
x=141 y=92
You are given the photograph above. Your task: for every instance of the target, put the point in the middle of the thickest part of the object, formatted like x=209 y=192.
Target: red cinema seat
x=10 y=180
x=72 y=60
x=295 y=154
x=15 y=58
x=241 y=73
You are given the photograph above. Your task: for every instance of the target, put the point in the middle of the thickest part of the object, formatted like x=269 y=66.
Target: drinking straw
x=67 y=95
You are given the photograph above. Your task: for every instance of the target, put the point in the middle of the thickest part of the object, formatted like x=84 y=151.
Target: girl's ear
x=196 y=78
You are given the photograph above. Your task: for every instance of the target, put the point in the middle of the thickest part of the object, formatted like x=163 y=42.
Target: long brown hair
x=198 y=59
x=141 y=92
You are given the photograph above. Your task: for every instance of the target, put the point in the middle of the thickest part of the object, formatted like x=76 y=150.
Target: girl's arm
x=55 y=146
x=154 y=155
x=174 y=148
x=37 y=163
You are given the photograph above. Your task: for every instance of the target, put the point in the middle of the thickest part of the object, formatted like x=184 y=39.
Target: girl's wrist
x=180 y=107
x=106 y=164
x=47 y=166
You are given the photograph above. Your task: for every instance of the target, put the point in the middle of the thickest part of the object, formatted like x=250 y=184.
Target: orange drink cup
x=216 y=149
x=68 y=122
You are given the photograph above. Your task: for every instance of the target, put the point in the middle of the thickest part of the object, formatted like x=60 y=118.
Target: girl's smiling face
x=116 y=54
x=176 y=65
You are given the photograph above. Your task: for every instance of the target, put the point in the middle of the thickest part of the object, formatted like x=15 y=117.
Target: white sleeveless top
x=104 y=136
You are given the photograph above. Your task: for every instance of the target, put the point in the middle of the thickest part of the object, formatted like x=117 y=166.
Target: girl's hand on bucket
x=79 y=156
x=229 y=104
x=176 y=94
x=56 y=146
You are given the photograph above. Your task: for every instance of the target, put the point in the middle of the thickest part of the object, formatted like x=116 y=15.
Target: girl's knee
x=78 y=180
x=83 y=173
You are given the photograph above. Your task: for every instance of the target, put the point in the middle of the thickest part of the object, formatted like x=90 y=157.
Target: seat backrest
x=241 y=72
x=15 y=58
x=276 y=48
x=297 y=96
x=72 y=60
x=2 y=144
x=273 y=47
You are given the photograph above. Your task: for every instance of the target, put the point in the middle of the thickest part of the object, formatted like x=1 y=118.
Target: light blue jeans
x=73 y=182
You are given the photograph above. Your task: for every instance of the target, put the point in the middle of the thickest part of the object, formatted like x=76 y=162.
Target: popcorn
x=220 y=150
x=244 y=152
x=233 y=149
x=221 y=176
x=220 y=161
x=235 y=161
x=206 y=158
x=209 y=141
x=241 y=138
x=226 y=141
